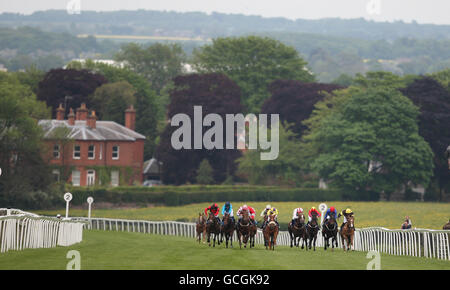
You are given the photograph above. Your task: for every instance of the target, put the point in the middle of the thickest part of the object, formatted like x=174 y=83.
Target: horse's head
x=211 y=217
x=300 y=221
x=332 y=219
x=351 y=222
x=314 y=218
x=226 y=218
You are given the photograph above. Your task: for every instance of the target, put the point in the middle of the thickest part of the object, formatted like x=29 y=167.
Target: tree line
x=378 y=133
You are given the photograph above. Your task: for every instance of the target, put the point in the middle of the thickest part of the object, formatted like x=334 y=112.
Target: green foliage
x=372 y=124
x=180 y=195
x=158 y=62
x=283 y=170
x=112 y=99
x=24 y=172
x=205 y=173
x=253 y=63
x=148 y=108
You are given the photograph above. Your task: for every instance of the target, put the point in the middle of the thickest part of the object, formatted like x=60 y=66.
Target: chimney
x=60 y=113
x=82 y=112
x=71 y=117
x=130 y=118
x=92 y=120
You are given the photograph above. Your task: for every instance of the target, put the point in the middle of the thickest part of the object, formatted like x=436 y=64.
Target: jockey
x=264 y=212
x=250 y=210
x=296 y=214
x=313 y=209
x=330 y=211
x=272 y=211
x=346 y=213
x=214 y=209
x=228 y=208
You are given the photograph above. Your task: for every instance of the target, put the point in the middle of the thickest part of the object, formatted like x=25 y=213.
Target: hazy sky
x=423 y=11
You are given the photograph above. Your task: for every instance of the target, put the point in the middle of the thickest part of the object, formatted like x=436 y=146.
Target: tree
x=112 y=99
x=368 y=140
x=253 y=63
x=205 y=173
x=78 y=84
x=24 y=170
x=294 y=101
x=158 y=63
x=283 y=170
x=217 y=94
x=149 y=110
x=433 y=101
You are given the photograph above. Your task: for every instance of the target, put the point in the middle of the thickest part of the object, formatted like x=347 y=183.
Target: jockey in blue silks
x=228 y=208
x=328 y=214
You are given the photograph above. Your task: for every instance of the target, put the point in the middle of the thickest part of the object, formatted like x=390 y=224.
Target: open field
x=383 y=214
x=123 y=250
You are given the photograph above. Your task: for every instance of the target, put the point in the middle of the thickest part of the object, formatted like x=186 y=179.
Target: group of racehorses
x=307 y=232
x=212 y=229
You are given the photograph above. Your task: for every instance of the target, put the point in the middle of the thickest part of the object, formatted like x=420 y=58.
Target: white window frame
x=58 y=173
x=79 y=151
x=79 y=178
x=58 y=151
x=90 y=174
x=115 y=179
x=93 y=151
x=100 y=152
x=118 y=150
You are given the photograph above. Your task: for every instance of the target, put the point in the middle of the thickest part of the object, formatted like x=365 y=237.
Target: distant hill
x=198 y=24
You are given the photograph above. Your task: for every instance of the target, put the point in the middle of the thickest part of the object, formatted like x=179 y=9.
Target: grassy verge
x=123 y=250
x=427 y=215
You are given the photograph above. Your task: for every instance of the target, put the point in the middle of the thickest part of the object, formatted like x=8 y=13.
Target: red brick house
x=88 y=152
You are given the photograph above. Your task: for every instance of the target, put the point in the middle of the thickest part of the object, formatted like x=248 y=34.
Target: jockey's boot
x=293 y=222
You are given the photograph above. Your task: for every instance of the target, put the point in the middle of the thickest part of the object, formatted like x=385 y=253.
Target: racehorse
x=311 y=232
x=329 y=231
x=243 y=229
x=271 y=233
x=348 y=233
x=213 y=227
x=201 y=227
x=296 y=230
x=227 y=229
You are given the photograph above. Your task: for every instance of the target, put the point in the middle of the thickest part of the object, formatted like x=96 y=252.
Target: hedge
x=181 y=195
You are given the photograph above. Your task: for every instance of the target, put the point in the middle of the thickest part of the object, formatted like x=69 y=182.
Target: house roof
x=104 y=131
x=151 y=166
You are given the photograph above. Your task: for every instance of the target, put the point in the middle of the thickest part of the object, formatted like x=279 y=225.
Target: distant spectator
x=407 y=223
x=58 y=216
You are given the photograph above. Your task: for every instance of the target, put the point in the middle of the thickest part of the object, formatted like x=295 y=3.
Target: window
x=115 y=178
x=101 y=152
x=76 y=152
x=56 y=151
x=91 y=152
x=76 y=178
x=56 y=175
x=90 y=178
x=115 y=152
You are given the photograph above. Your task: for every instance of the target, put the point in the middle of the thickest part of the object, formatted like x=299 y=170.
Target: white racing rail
x=22 y=230
x=413 y=242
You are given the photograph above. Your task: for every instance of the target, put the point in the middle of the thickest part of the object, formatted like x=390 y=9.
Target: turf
x=383 y=214
x=123 y=250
